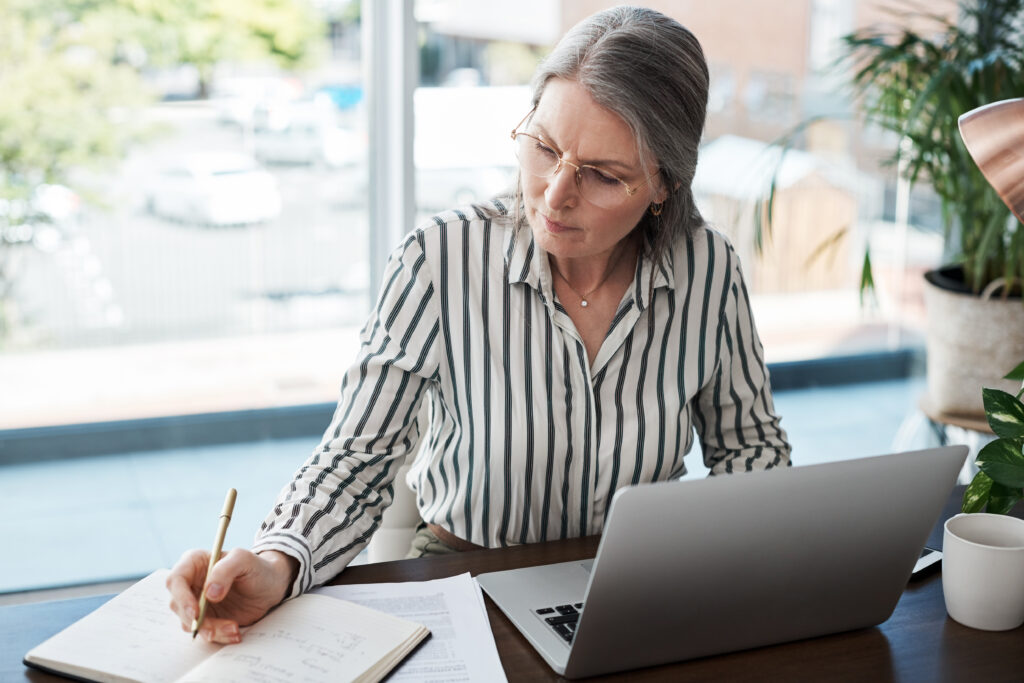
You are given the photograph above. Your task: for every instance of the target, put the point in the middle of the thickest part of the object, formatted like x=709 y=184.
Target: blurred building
x=771 y=62
x=815 y=209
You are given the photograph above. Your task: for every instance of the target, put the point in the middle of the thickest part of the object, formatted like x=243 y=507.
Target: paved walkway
x=42 y=388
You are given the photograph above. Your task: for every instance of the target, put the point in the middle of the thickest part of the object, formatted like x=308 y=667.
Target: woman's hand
x=243 y=587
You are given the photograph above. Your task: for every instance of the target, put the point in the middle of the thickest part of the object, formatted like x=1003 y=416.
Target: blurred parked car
x=238 y=99
x=215 y=189
x=309 y=143
x=305 y=131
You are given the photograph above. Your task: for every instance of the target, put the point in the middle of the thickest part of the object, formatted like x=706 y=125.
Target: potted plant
x=999 y=483
x=917 y=83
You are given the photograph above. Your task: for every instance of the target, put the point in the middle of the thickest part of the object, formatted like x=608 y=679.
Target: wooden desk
x=918 y=643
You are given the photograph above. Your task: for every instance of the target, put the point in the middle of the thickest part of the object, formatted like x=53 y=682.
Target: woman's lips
x=555 y=227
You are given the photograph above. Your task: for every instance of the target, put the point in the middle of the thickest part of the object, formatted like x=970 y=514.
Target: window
x=220 y=260
x=229 y=233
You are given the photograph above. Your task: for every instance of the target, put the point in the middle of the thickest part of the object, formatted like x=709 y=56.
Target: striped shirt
x=527 y=441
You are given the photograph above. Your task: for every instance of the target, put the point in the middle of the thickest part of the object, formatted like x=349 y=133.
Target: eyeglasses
x=596 y=185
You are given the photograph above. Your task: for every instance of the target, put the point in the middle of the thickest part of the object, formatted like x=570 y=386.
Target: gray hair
x=650 y=71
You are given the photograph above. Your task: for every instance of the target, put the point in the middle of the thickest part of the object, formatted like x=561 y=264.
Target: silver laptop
x=694 y=568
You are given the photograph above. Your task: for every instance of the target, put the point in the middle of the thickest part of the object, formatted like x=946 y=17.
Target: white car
x=215 y=188
x=309 y=144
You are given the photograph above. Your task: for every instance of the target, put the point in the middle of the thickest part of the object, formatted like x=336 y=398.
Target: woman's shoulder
x=446 y=237
x=472 y=223
x=703 y=243
x=493 y=213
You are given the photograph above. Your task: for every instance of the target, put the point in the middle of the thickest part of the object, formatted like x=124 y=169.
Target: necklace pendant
x=583 y=303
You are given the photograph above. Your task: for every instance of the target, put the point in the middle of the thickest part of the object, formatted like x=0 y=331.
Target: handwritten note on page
x=314 y=638
x=135 y=638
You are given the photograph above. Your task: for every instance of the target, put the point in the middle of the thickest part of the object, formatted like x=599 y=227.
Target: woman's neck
x=590 y=273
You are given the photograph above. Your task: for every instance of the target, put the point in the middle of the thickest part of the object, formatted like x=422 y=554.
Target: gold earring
x=657 y=208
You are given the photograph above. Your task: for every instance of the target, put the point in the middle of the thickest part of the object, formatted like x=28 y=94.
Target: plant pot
x=971 y=343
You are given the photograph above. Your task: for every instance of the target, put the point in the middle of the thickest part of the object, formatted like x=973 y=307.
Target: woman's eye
x=545 y=150
x=601 y=177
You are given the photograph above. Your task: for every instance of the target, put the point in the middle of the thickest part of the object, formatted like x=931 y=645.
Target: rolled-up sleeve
x=331 y=508
x=734 y=413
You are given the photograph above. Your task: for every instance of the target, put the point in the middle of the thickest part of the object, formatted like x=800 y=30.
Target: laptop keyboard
x=562 y=619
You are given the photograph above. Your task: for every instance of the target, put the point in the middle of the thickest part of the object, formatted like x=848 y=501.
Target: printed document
x=461 y=646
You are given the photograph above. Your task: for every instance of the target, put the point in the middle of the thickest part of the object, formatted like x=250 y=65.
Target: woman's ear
x=660 y=193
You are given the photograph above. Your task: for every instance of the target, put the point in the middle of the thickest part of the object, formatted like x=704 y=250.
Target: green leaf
x=1003 y=498
x=867 y=280
x=977 y=494
x=991 y=235
x=1004 y=412
x=1003 y=461
x=826 y=245
x=1017 y=373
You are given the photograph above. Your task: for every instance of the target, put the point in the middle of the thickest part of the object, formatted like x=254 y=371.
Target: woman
x=567 y=340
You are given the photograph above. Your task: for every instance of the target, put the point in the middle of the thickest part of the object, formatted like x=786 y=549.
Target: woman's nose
x=562 y=189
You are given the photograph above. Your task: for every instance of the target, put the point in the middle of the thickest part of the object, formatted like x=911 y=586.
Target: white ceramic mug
x=983 y=570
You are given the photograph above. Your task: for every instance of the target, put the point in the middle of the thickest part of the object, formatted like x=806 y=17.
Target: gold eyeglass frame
x=630 y=191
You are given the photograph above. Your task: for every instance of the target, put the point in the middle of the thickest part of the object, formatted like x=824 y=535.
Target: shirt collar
x=663 y=277
x=522 y=256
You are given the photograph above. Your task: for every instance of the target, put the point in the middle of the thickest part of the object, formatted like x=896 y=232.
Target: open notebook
x=135 y=637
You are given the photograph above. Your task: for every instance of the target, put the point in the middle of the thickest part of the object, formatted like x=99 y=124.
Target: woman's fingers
x=232 y=565
x=190 y=571
x=216 y=630
x=241 y=588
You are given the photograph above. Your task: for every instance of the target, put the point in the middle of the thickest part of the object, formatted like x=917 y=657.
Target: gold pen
x=218 y=542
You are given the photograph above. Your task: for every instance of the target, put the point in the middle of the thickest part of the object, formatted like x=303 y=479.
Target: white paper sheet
x=461 y=646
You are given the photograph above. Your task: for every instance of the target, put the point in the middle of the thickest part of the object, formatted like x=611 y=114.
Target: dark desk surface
x=918 y=643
